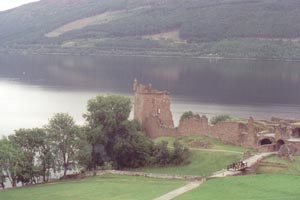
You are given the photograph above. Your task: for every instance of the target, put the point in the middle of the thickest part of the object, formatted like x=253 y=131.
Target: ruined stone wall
x=230 y=132
x=195 y=125
x=154 y=128
x=294 y=147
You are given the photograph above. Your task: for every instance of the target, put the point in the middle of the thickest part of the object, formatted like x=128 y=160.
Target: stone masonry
x=152 y=110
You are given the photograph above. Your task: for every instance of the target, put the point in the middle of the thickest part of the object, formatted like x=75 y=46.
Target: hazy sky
x=8 y=4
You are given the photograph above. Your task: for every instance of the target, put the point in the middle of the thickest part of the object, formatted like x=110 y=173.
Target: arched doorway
x=279 y=144
x=265 y=141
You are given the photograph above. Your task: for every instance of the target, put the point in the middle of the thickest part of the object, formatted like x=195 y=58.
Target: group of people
x=237 y=166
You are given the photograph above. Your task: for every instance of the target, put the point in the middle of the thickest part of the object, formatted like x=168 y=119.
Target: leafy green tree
x=29 y=141
x=105 y=116
x=83 y=156
x=10 y=158
x=64 y=136
x=132 y=149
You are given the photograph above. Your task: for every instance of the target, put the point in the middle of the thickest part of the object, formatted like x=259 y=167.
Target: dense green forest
x=216 y=28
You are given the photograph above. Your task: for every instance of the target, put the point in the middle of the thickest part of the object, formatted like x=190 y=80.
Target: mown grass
x=292 y=168
x=255 y=187
x=202 y=164
x=107 y=187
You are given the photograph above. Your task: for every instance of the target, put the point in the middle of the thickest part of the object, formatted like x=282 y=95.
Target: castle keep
x=152 y=110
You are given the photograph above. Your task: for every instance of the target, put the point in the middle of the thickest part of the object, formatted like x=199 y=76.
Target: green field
x=108 y=187
x=202 y=164
x=255 y=187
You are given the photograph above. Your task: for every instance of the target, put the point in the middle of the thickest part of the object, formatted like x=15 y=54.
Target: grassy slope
x=202 y=164
x=215 y=144
x=108 y=187
x=256 y=187
x=293 y=168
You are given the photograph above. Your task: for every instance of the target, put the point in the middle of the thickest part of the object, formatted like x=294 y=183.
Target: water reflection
x=32 y=88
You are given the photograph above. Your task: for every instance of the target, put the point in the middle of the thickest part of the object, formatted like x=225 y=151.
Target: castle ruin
x=152 y=111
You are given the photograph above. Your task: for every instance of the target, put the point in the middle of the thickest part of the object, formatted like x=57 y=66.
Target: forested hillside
x=230 y=28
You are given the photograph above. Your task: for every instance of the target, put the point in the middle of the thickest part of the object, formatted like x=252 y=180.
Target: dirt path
x=179 y=191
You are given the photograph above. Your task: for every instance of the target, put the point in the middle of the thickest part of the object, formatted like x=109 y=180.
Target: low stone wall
x=149 y=175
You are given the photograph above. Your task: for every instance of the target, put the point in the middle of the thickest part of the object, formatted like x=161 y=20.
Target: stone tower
x=151 y=102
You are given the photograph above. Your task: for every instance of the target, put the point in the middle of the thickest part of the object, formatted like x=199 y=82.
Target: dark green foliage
x=162 y=154
x=115 y=138
x=230 y=28
x=186 y=115
x=180 y=154
x=219 y=118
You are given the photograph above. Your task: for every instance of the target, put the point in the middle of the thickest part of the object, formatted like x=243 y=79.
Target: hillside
x=229 y=28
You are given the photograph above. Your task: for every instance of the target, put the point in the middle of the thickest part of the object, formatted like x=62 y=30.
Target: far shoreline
x=150 y=55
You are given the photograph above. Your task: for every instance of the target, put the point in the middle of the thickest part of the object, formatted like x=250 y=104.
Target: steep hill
x=231 y=28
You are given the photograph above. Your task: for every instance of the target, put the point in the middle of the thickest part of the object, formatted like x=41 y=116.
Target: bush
x=180 y=154
x=186 y=115
x=219 y=118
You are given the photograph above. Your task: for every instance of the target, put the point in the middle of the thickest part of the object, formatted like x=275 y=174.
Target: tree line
x=108 y=138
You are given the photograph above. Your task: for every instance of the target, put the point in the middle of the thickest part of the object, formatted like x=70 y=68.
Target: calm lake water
x=33 y=88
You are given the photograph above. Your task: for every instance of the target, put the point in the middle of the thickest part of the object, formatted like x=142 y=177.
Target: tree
x=131 y=149
x=64 y=136
x=30 y=141
x=10 y=159
x=105 y=116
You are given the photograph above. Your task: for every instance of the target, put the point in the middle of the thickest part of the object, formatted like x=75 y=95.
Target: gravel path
x=179 y=191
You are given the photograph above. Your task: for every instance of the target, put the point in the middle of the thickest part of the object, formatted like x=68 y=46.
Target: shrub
x=187 y=115
x=180 y=154
x=219 y=118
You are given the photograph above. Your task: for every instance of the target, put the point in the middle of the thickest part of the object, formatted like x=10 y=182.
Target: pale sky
x=8 y=4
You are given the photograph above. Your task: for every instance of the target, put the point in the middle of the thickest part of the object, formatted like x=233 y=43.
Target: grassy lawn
x=214 y=143
x=202 y=163
x=256 y=187
x=108 y=187
x=293 y=168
